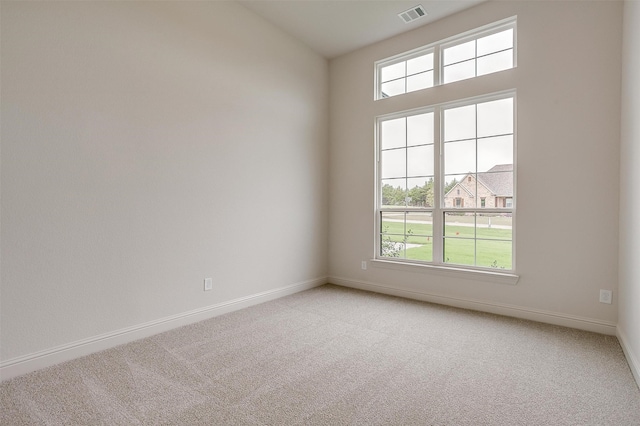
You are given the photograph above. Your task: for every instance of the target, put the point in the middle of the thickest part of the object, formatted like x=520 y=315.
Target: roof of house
x=498 y=180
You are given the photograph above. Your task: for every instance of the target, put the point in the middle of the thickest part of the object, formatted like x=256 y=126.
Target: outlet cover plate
x=208 y=284
x=605 y=296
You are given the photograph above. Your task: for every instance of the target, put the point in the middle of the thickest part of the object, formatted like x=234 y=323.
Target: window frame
x=405 y=57
x=439 y=210
x=438 y=47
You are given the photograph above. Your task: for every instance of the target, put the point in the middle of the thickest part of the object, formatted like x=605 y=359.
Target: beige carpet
x=335 y=356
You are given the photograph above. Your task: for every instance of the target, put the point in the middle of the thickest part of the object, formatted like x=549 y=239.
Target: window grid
x=437 y=50
x=438 y=211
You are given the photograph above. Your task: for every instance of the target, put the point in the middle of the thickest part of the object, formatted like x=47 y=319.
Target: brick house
x=494 y=189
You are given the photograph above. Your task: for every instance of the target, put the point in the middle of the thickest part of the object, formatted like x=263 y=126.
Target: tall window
x=457 y=210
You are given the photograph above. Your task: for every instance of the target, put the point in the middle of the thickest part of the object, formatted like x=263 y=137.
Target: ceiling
x=335 y=27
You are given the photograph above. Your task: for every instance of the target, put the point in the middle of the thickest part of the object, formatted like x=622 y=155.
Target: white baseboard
x=632 y=359
x=35 y=361
x=588 y=324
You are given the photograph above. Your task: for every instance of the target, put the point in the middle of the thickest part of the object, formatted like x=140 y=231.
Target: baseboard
x=632 y=359
x=25 y=364
x=564 y=320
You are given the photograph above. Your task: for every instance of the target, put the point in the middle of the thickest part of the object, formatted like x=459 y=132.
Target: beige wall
x=629 y=295
x=146 y=146
x=568 y=107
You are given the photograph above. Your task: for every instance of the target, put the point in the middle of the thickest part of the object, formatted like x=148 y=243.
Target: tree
x=393 y=196
x=448 y=187
x=422 y=196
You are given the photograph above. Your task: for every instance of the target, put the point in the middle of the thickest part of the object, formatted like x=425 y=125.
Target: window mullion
x=437 y=219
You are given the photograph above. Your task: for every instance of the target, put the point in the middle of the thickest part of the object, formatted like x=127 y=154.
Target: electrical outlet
x=605 y=296
x=364 y=265
x=208 y=284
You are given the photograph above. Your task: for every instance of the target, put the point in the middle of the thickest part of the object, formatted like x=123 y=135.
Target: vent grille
x=412 y=14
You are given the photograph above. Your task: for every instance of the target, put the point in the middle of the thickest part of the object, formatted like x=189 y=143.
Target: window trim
x=439 y=209
x=438 y=51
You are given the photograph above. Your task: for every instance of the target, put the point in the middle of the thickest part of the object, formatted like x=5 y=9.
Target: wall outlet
x=364 y=265
x=208 y=284
x=605 y=296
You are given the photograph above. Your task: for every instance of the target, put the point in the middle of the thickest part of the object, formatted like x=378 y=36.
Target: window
x=457 y=210
x=485 y=50
x=482 y=55
x=407 y=75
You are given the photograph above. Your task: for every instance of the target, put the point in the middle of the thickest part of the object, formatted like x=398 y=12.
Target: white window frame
x=438 y=47
x=438 y=210
x=405 y=57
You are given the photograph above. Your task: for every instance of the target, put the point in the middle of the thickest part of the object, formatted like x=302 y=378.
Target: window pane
x=420 y=81
x=420 y=248
x=460 y=157
x=495 y=62
x=392 y=223
x=394 y=163
x=420 y=161
x=460 y=52
x=494 y=226
x=495 y=42
x=455 y=191
x=500 y=184
x=494 y=254
x=420 y=129
x=394 y=192
x=460 y=71
x=393 y=133
x=392 y=235
x=393 y=88
x=420 y=64
x=459 y=225
x=460 y=123
x=392 y=72
x=459 y=234
x=459 y=251
x=495 y=117
x=419 y=224
x=420 y=193
x=494 y=151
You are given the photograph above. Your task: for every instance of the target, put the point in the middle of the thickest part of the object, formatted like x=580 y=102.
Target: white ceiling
x=334 y=27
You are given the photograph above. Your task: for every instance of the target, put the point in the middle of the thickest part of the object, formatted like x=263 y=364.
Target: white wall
x=146 y=146
x=629 y=296
x=568 y=89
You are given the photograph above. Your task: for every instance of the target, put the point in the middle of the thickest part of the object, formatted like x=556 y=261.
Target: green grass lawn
x=492 y=248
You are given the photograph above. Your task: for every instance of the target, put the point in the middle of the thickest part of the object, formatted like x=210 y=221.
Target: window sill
x=448 y=271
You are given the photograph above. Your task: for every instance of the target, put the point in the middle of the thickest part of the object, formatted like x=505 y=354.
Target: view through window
x=457 y=211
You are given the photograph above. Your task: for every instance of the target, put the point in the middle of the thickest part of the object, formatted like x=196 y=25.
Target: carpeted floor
x=336 y=356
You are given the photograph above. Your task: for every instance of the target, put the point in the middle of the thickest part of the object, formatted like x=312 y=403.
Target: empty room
x=320 y=212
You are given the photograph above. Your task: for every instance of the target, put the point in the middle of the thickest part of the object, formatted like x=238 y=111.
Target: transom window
x=479 y=56
x=446 y=183
x=407 y=75
x=485 y=50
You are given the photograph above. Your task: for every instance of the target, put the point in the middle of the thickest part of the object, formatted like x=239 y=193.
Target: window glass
x=490 y=50
x=473 y=218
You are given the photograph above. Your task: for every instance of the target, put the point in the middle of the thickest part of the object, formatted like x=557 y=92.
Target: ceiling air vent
x=412 y=14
